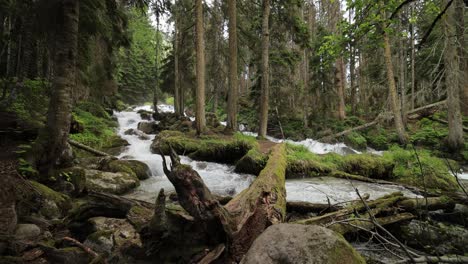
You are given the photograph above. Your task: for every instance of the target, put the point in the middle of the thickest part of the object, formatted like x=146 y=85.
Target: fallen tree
x=242 y=219
x=417 y=113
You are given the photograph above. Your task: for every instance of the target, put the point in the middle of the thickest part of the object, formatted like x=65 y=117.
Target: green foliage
x=356 y=140
x=31 y=103
x=170 y=100
x=26 y=169
x=429 y=133
x=98 y=132
x=407 y=169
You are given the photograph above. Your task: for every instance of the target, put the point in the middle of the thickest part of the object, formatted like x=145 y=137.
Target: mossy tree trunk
x=51 y=148
x=200 y=118
x=265 y=70
x=247 y=215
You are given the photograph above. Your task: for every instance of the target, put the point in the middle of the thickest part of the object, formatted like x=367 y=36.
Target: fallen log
x=424 y=110
x=244 y=217
x=429 y=203
x=306 y=207
x=89 y=149
x=465 y=129
x=353 y=225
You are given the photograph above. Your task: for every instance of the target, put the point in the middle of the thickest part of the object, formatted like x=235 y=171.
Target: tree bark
x=399 y=126
x=177 y=105
x=51 y=148
x=463 y=54
x=248 y=214
x=453 y=79
x=233 y=96
x=264 y=97
x=340 y=85
x=413 y=63
x=200 y=118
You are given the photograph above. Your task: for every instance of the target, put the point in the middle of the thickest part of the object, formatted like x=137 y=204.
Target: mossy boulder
x=148 y=127
x=294 y=243
x=47 y=194
x=115 y=183
x=135 y=168
x=77 y=176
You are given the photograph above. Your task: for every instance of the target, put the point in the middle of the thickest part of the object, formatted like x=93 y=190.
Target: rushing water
x=222 y=180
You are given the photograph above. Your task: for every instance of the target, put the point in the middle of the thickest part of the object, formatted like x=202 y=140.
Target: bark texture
x=453 y=79
x=233 y=81
x=51 y=148
x=265 y=70
x=200 y=118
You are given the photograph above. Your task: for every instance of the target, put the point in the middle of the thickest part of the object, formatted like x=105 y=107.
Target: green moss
x=344 y=253
x=99 y=132
x=407 y=169
x=356 y=140
x=206 y=148
x=367 y=165
x=62 y=200
x=428 y=133
x=253 y=162
x=303 y=163
x=94 y=108
x=135 y=168
x=101 y=233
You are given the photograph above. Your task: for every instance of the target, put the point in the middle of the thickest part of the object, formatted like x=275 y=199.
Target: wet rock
x=61 y=200
x=77 y=176
x=27 y=231
x=293 y=243
x=145 y=115
x=115 y=183
x=201 y=165
x=148 y=127
x=138 y=133
x=438 y=238
x=133 y=167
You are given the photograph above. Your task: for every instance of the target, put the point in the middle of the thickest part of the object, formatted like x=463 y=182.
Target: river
x=222 y=180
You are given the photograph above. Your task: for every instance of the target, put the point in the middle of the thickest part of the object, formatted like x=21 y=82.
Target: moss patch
x=62 y=200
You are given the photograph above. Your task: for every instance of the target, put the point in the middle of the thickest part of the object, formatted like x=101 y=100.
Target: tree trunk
x=463 y=54
x=340 y=85
x=453 y=79
x=394 y=102
x=200 y=118
x=51 y=148
x=413 y=57
x=233 y=83
x=156 y=85
x=247 y=215
x=264 y=97
x=177 y=95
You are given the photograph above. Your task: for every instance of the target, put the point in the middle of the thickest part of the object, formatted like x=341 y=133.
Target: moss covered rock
x=253 y=162
x=135 y=168
x=367 y=165
x=115 y=183
x=293 y=243
x=47 y=194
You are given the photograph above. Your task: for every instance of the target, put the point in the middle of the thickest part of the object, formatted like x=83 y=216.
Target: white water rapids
x=222 y=180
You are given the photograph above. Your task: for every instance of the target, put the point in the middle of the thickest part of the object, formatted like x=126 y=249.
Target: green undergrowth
x=397 y=164
x=98 y=129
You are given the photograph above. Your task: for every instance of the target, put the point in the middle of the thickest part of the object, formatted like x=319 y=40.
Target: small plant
x=26 y=169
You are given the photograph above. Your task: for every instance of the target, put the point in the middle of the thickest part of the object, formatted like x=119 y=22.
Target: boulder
x=148 y=127
x=136 y=168
x=138 y=133
x=27 y=231
x=69 y=255
x=50 y=210
x=111 y=234
x=46 y=194
x=111 y=182
x=294 y=243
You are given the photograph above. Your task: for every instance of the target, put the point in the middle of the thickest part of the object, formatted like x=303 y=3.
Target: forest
x=236 y=131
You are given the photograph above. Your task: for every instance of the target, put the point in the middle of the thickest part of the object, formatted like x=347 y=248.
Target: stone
x=111 y=182
x=27 y=231
x=68 y=255
x=50 y=210
x=138 y=133
x=134 y=167
x=438 y=238
x=294 y=243
x=148 y=127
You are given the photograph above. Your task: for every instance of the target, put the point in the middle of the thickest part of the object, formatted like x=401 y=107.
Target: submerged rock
x=138 y=133
x=115 y=183
x=293 y=243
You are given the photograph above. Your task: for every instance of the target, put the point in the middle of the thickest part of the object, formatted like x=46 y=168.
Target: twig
x=88 y=250
x=455 y=174
x=423 y=178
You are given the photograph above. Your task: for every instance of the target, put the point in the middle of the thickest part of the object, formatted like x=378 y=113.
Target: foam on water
x=222 y=180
